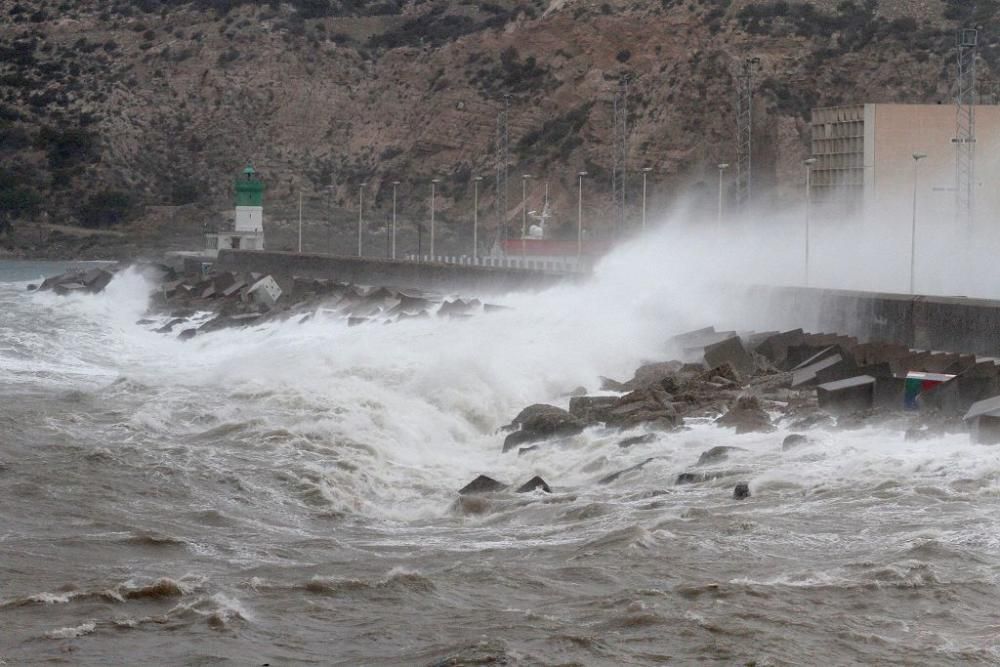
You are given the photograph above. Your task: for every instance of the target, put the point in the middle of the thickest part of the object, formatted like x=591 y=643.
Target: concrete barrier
x=950 y=324
x=953 y=324
x=370 y=271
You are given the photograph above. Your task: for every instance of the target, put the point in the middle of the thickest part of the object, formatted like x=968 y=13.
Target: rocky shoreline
x=195 y=304
x=748 y=382
x=758 y=383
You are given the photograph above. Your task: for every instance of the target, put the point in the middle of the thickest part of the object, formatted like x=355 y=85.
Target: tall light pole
x=361 y=209
x=579 y=219
x=395 y=184
x=329 y=224
x=434 y=182
x=645 y=170
x=524 y=210
x=718 y=219
x=475 y=218
x=300 y=220
x=808 y=164
x=917 y=157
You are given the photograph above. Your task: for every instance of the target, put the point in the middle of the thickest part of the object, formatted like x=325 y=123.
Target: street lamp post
x=300 y=221
x=329 y=225
x=361 y=209
x=434 y=182
x=808 y=164
x=917 y=157
x=645 y=170
x=579 y=219
x=722 y=167
x=524 y=211
x=475 y=218
x=395 y=184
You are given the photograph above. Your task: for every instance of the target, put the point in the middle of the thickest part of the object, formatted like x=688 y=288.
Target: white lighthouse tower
x=248 y=227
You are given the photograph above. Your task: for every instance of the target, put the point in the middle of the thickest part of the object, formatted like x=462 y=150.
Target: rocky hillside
x=110 y=106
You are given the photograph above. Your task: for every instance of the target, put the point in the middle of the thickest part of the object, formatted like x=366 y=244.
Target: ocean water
x=286 y=494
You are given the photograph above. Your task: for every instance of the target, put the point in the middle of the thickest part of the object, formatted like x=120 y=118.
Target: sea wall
x=952 y=324
x=471 y=280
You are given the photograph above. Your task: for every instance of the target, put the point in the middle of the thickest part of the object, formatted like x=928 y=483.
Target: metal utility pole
x=645 y=171
x=475 y=217
x=502 y=162
x=718 y=220
x=434 y=182
x=917 y=157
x=361 y=209
x=395 y=184
x=300 y=220
x=620 y=147
x=744 y=131
x=524 y=211
x=808 y=164
x=965 y=126
x=579 y=220
x=329 y=224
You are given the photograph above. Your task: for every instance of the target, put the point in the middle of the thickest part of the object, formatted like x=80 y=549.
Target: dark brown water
x=286 y=495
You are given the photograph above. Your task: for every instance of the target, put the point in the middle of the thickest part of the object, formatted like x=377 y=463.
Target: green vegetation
x=18 y=199
x=434 y=28
x=107 y=208
x=560 y=134
x=512 y=74
x=67 y=147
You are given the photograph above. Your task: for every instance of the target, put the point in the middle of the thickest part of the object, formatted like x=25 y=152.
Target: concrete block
x=889 y=392
x=775 y=347
x=730 y=351
x=97 y=279
x=806 y=375
x=265 y=291
x=984 y=419
x=869 y=354
x=234 y=288
x=846 y=396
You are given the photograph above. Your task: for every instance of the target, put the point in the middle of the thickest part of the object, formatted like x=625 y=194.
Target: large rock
x=96 y=279
x=590 y=408
x=534 y=483
x=541 y=422
x=716 y=454
x=732 y=352
x=641 y=406
x=482 y=484
x=615 y=475
x=663 y=373
x=747 y=416
x=793 y=440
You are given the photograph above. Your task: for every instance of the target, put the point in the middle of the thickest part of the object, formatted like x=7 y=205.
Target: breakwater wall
x=950 y=324
x=397 y=273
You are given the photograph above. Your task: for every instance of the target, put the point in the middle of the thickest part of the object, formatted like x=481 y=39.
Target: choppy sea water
x=286 y=494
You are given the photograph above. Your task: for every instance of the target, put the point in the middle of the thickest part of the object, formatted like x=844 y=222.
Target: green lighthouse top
x=249 y=189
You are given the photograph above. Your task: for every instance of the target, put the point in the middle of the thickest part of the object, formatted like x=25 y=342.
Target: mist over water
x=286 y=493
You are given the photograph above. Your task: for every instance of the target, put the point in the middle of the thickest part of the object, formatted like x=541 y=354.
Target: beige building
x=865 y=168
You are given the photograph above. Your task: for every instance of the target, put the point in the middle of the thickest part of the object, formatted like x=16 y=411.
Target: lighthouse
x=249 y=226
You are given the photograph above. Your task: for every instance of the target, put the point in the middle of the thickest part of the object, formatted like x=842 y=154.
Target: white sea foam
x=388 y=420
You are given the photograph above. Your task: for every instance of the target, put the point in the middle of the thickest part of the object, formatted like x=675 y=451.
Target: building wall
x=900 y=130
x=865 y=160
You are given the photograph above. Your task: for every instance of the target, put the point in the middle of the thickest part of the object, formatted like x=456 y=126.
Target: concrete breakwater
x=371 y=271
x=951 y=324
x=954 y=324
